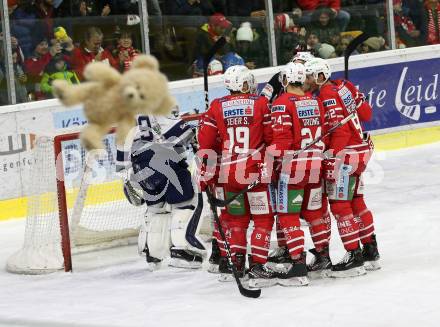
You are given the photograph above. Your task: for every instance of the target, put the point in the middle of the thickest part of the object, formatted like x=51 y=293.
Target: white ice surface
x=404 y=196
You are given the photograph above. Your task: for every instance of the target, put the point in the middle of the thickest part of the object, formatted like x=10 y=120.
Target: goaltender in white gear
x=159 y=176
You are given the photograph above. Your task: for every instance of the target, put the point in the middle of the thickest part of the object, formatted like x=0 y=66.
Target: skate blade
x=261 y=283
x=294 y=281
x=354 y=272
x=213 y=269
x=319 y=274
x=372 y=265
x=178 y=263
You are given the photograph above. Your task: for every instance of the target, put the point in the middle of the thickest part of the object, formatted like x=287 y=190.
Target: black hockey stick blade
x=243 y=291
x=357 y=41
x=206 y=59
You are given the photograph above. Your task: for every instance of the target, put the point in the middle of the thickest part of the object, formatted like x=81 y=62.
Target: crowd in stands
x=55 y=39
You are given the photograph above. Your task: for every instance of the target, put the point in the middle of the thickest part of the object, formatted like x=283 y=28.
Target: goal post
x=72 y=209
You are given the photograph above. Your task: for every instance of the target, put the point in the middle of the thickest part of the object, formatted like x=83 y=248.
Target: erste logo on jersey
x=307 y=108
x=238 y=108
x=347 y=99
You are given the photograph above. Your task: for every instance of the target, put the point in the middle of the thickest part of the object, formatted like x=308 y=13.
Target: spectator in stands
x=373 y=44
x=91 y=50
x=407 y=34
x=343 y=43
x=326 y=51
x=23 y=23
x=57 y=69
x=430 y=22
x=312 y=41
x=20 y=78
x=249 y=46
x=288 y=34
x=209 y=33
x=125 y=53
x=342 y=16
x=324 y=26
x=189 y=7
x=36 y=64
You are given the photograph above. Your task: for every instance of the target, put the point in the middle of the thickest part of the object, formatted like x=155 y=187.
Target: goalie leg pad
x=157 y=228
x=185 y=227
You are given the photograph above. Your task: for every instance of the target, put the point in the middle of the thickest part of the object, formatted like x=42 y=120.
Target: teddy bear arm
x=70 y=95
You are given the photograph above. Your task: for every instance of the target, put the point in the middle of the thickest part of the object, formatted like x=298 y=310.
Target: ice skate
x=371 y=255
x=214 y=259
x=351 y=265
x=296 y=275
x=181 y=258
x=261 y=276
x=321 y=264
x=226 y=272
x=279 y=255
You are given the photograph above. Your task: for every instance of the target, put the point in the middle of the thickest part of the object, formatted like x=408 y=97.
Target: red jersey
x=242 y=125
x=341 y=98
x=297 y=121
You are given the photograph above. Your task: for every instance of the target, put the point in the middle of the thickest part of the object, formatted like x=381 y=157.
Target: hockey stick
x=223 y=203
x=206 y=59
x=361 y=38
x=243 y=291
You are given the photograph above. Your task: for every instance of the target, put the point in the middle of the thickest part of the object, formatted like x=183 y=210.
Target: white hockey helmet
x=304 y=56
x=318 y=66
x=235 y=77
x=294 y=72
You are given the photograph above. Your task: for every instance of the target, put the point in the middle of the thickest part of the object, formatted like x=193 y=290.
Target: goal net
x=71 y=209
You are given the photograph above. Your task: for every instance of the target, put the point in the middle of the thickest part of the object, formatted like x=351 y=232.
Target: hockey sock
x=260 y=243
x=347 y=224
x=236 y=236
x=366 y=225
x=318 y=228
x=290 y=226
x=281 y=238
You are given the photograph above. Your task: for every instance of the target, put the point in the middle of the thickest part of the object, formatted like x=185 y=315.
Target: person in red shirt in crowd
x=35 y=65
x=241 y=122
x=91 y=50
x=309 y=6
x=349 y=150
x=297 y=120
x=406 y=31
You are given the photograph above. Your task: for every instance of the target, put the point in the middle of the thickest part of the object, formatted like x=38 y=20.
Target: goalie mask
x=293 y=73
x=236 y=76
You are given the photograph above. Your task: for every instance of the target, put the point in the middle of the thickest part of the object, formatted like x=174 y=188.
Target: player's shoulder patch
x=278 y=108
x=329 y=102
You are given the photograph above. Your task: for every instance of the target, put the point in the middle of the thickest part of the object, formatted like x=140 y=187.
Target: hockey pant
x=235 y=220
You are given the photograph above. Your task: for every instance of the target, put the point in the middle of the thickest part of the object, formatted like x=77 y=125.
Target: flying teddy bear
x=111 y=99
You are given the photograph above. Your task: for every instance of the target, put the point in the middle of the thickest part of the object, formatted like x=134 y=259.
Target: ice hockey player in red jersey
x=297 y=120
x=241 y=121
x=349 y=150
